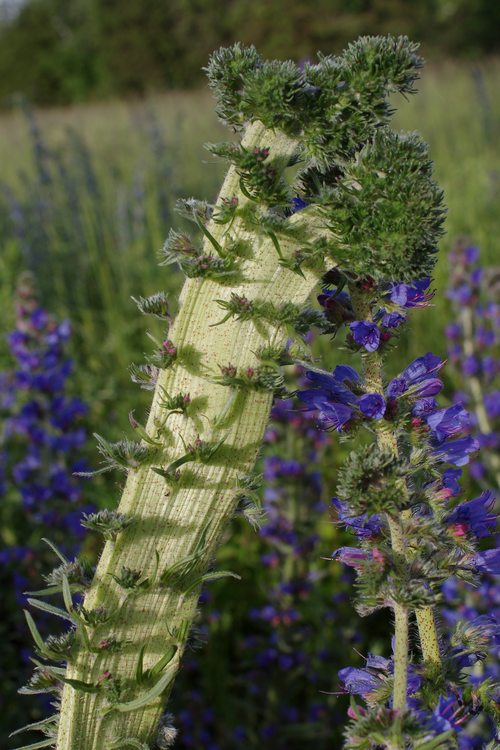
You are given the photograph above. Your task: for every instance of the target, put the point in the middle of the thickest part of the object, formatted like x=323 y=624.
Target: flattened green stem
x=172 y=518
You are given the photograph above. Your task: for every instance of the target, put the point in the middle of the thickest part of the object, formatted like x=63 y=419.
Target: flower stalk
x=386 y=438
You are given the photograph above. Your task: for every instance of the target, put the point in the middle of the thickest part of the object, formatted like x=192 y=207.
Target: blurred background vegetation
x=105 y=113
x=65 y=51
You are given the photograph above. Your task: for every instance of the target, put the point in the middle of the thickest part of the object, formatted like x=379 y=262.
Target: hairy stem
x=172 y=519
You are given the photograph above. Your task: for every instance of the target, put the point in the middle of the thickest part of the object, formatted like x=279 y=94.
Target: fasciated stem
x=178 y=520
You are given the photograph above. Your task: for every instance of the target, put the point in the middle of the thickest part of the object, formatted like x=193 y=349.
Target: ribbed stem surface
x=171 y=518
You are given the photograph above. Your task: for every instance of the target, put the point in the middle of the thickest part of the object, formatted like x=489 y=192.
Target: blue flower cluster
x=42 y=435
x=444 y=533
x=474 y=353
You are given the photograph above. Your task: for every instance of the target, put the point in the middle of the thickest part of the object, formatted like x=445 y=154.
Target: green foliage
x=371 y=479
x=386 y=210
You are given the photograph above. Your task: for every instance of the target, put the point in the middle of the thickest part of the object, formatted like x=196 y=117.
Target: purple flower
x=487 y=562
x=492 y=404
x=392 y=319
x=331 y=386
x=330 y=396
x=429 y=387
x=421 y=368
x=418 y=377
x=365 y=526
x=453 y=331
x=463 y=294
x=366 y=334
x=397 y=387
x=475 y=515
x=407 y=295
x=355 y=557
x=471 y=254
x=423 y=407
x=450 y=481
x=470 y=366
x=359 y=681
x=330 y=414
x=448 y=422
x=448 y=715
x=456 y=452
x=337 y=305
x=372 y=405
x=297 y=204
x=345 y=373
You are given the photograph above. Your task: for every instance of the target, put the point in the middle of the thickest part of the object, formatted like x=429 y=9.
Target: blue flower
x=448 y=715
x=424 y=406
x=421 y=368
x=450 y=482
x=475 y=515
x=392 y=319
x=364 y=526
x=418 y=378
x=297 y=204
x=334 y=401
x=487 y=562
x=448 y=422
x=407 y=295
x=456 y=452
x=372 y=405
x=366 y=334
x=359 y=681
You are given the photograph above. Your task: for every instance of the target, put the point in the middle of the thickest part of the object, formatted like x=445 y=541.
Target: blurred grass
x=86 y=197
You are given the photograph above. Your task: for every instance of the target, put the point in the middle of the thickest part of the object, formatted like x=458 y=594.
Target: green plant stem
x=171 y=519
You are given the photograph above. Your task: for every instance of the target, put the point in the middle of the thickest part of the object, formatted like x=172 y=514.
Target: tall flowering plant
x=398 y=493
x=319 y=184
x=41 y=441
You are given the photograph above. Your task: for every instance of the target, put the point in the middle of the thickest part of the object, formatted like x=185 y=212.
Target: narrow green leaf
x=214 y=576
x=162 y=663
x=132 y=742
x=217 y=574
x=54 y=549
x=42 y=724
x=52 y=590
x=48 y=742
x=34 y=631
x=150 y=695
x=85 y=687
x=139 y=672
x=50 y=609
x=217 y=247
x=66 y=592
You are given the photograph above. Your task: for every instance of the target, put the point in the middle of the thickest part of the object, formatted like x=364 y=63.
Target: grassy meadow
x=86 y=197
